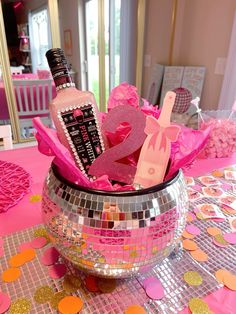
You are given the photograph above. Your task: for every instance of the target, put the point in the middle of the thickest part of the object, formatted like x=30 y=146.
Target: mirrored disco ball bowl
x=114 y=234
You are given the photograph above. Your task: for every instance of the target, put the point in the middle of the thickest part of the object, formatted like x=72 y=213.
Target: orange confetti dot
x=220 y=274
x=11 y=274
x=29 y=254
x=217 y=173
x=230 y=281
x=188 y=235
x=190 y=245
x=17 y=260
x=213 y=231
x=135 y=309
x=199 y=255
x=70 y=305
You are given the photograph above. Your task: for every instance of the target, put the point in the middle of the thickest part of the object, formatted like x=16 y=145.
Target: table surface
x=26 y=214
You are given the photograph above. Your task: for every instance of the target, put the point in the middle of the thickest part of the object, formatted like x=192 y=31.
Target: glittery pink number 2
x=107 y=163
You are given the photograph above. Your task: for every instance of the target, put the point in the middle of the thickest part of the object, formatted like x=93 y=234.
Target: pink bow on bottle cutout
x=167 y=133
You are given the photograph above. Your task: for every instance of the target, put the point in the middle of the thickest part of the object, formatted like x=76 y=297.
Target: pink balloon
x=230 y=237
x=57 y=271
x=192 y=229
x=5 y=302
x=39 y=242
x=50 y=256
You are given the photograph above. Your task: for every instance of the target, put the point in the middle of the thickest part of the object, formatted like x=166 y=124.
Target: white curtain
x=228 y=91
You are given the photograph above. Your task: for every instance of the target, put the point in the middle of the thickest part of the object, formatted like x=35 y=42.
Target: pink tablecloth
x=27 y=214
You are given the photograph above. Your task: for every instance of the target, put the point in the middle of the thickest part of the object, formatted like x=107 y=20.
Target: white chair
x=6 y=135
x=33 y=97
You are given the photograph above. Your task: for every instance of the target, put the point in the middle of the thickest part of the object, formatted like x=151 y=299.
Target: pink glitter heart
x=39 y=242
x=50 y=256
x=57 y=271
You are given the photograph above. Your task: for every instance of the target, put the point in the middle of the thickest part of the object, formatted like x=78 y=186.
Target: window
x=40 y=38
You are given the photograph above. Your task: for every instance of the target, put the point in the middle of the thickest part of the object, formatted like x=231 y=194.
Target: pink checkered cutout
x=182 y=100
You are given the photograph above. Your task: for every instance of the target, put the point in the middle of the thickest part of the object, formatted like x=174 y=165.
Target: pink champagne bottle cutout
x=155 y=152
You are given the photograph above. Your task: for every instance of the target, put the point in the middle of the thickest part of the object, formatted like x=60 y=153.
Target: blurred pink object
x=186 y=149
x=222 y=140
x=123 y=94
x=44 y=74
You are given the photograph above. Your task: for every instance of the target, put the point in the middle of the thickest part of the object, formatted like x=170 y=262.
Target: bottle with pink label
x=75 y=114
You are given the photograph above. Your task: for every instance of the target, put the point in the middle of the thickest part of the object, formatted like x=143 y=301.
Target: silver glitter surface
x=114 y=235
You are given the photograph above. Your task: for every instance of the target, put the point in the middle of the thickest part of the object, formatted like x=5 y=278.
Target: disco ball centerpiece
x=114 y=234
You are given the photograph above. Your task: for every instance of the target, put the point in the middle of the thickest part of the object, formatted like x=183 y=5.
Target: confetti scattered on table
x=11 y=274
x=219 y=274
x=190 y=245
x=213 y=231
x=43 y=294
x=230 y=281
x=198 y=306
x=192 y=229
x=39 y=242
x=50 y=256
x=68 y=286
x=29 y=254
x=91 y=283
x=135 y=309
x=56 y=298
x=5 y=302
x=70 y=305
x=20 y=306
x=57 y=271
x=41 y=232
x=187 y=235
x=190 y=217
x=199 y=255
x=230 y=237
x=193 y=278
x=35 y=198
x=153 y=288
x=106 y=285
x=220 y=241
x=17 y=260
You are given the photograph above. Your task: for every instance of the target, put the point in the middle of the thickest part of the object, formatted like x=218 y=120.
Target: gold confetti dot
x=133 y=254
x=198 y=306
x=43 y=294
x=193 y=278
x=20 y=306
x=56 y=298
x=68 y=285
x=106 y=285
x=220 y=239
x=41 y=232
x=199 y=216
x=35 y=198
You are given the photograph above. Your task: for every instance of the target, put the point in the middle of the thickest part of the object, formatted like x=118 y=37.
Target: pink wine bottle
x=75 y=114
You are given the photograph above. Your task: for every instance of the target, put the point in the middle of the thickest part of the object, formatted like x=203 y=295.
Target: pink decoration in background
x=107 y=163
x=50 y=256
x=57 y=271
x=123 y=94
x=15 y=182
x=155 y=152
x=39 y=242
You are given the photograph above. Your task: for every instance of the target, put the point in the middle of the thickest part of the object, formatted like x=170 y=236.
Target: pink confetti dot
x=39 y=242
x=5 y=302
x=50 y=256
x=154 y=289
x=57 y=271
x=230 y=237
x=149 y=280
x=192 y=229
x=25 y=245
x=218 y=244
